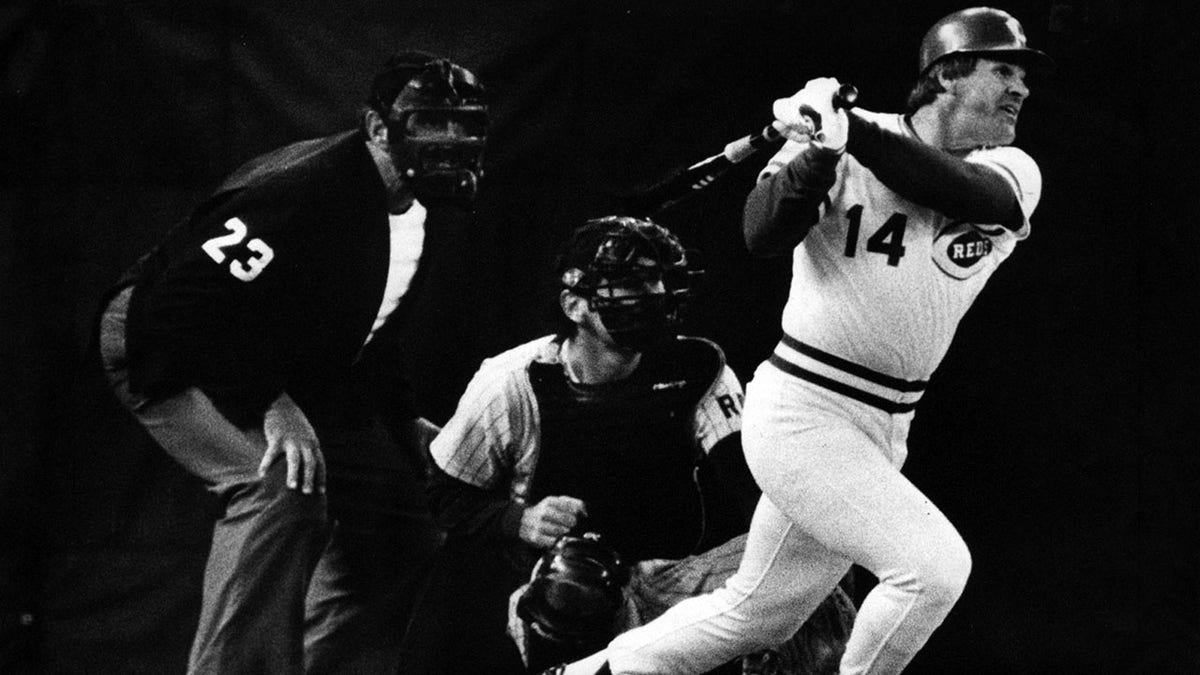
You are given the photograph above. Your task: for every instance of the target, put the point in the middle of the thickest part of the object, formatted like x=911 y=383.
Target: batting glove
x=809 y=115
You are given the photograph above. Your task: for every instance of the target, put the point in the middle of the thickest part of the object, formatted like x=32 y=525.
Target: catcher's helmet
x=983 y=31
x=632 y=255
x=575 y=590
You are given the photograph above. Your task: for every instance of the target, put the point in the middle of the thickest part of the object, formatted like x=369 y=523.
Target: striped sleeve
x=719 y=412
x=494 y=426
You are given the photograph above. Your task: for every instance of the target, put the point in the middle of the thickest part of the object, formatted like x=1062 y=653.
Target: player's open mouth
x=1010 y=110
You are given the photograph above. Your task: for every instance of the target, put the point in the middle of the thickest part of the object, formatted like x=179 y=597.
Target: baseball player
x=614 y=425
x=894 y=224
x=259 y=345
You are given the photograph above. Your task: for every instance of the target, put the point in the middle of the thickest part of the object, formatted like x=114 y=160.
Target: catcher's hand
x=543 y=523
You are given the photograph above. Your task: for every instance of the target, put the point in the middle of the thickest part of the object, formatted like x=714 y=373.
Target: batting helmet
x=983 y=31
x=575 y=590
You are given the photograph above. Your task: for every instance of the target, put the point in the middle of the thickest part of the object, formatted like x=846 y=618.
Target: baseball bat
x=685 y=182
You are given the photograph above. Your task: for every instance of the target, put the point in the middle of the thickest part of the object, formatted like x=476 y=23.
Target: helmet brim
x=1034 y=61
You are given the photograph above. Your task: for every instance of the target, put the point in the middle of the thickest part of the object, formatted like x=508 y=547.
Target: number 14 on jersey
x=887 y=240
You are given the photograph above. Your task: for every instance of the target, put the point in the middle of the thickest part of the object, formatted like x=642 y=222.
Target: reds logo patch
x=961 y=249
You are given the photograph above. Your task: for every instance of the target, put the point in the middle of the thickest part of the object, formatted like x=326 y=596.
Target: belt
x=885 y=392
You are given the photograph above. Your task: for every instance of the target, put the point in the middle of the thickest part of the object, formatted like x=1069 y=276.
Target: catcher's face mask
x=635 y=279
x=637 y=314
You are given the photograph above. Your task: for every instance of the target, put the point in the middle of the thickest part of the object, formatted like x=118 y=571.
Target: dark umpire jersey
x=272 y=284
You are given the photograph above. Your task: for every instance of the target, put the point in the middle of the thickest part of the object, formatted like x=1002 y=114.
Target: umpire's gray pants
x=288 y=589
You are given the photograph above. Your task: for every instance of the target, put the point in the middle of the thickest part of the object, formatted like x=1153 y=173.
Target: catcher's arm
x=470 y=512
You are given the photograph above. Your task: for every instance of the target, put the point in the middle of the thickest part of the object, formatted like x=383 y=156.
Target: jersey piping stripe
x=846 y=390
x=853 y=368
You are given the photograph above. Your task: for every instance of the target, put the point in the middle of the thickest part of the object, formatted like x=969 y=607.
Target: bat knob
x=846 y=96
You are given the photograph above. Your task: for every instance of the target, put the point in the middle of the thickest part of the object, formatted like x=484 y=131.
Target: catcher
x=615 y=425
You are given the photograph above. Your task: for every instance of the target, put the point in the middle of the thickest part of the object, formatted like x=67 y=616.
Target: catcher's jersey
x=883 y=282
x=494 y=436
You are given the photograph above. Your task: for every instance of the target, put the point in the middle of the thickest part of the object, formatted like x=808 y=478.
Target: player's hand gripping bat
x=683 y=183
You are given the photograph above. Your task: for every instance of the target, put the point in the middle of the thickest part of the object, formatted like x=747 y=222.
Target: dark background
x=1058 y=435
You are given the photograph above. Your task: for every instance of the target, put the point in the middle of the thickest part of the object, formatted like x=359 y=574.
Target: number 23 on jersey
x=261 y=254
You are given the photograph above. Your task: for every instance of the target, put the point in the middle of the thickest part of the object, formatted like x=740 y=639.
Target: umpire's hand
x=549 y=519
x=289 y=432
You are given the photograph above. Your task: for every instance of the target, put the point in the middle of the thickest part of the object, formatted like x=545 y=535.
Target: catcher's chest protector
x=627 y=449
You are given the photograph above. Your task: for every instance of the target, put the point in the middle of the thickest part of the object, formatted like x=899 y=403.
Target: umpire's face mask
x=439 y=151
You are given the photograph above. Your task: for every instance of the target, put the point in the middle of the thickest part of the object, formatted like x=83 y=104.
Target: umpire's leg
x=265 y=545
x=384 y=537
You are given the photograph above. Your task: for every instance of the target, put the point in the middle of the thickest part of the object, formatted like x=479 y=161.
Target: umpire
x=259 y=345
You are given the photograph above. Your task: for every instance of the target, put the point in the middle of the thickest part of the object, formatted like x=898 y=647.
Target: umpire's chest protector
x=628 y=448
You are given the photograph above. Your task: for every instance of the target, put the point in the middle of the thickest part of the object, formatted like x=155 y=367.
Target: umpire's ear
x=375 y=127
x=574 y=306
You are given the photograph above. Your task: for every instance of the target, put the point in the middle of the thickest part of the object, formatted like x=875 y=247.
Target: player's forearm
x=469 y=512
x=781 y=209
x=932 y=177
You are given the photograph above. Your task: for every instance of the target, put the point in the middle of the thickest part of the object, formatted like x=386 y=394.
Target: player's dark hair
x=927 y=87
x=440 y=79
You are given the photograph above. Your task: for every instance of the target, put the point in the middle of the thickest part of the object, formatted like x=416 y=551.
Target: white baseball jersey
x=495 y=434
x=883 y=282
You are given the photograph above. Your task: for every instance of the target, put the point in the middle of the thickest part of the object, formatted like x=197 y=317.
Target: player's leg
x=815 y=649
x=783 y=577
x=362 y=592
x=784 y=574
x=657 y=586
x=265 y=544
x=831 y=465
x=922 y=565
x=460 y=620
x=264 y=549
x=842 y=486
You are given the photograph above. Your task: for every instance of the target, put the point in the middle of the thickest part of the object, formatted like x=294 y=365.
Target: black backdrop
x=1057 y=435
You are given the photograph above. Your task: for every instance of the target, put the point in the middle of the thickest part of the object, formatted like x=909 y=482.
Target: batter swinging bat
x=680 y=185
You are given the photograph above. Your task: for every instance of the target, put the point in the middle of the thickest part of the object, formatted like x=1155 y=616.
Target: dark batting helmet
x=981 y=31
x=575 y=591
